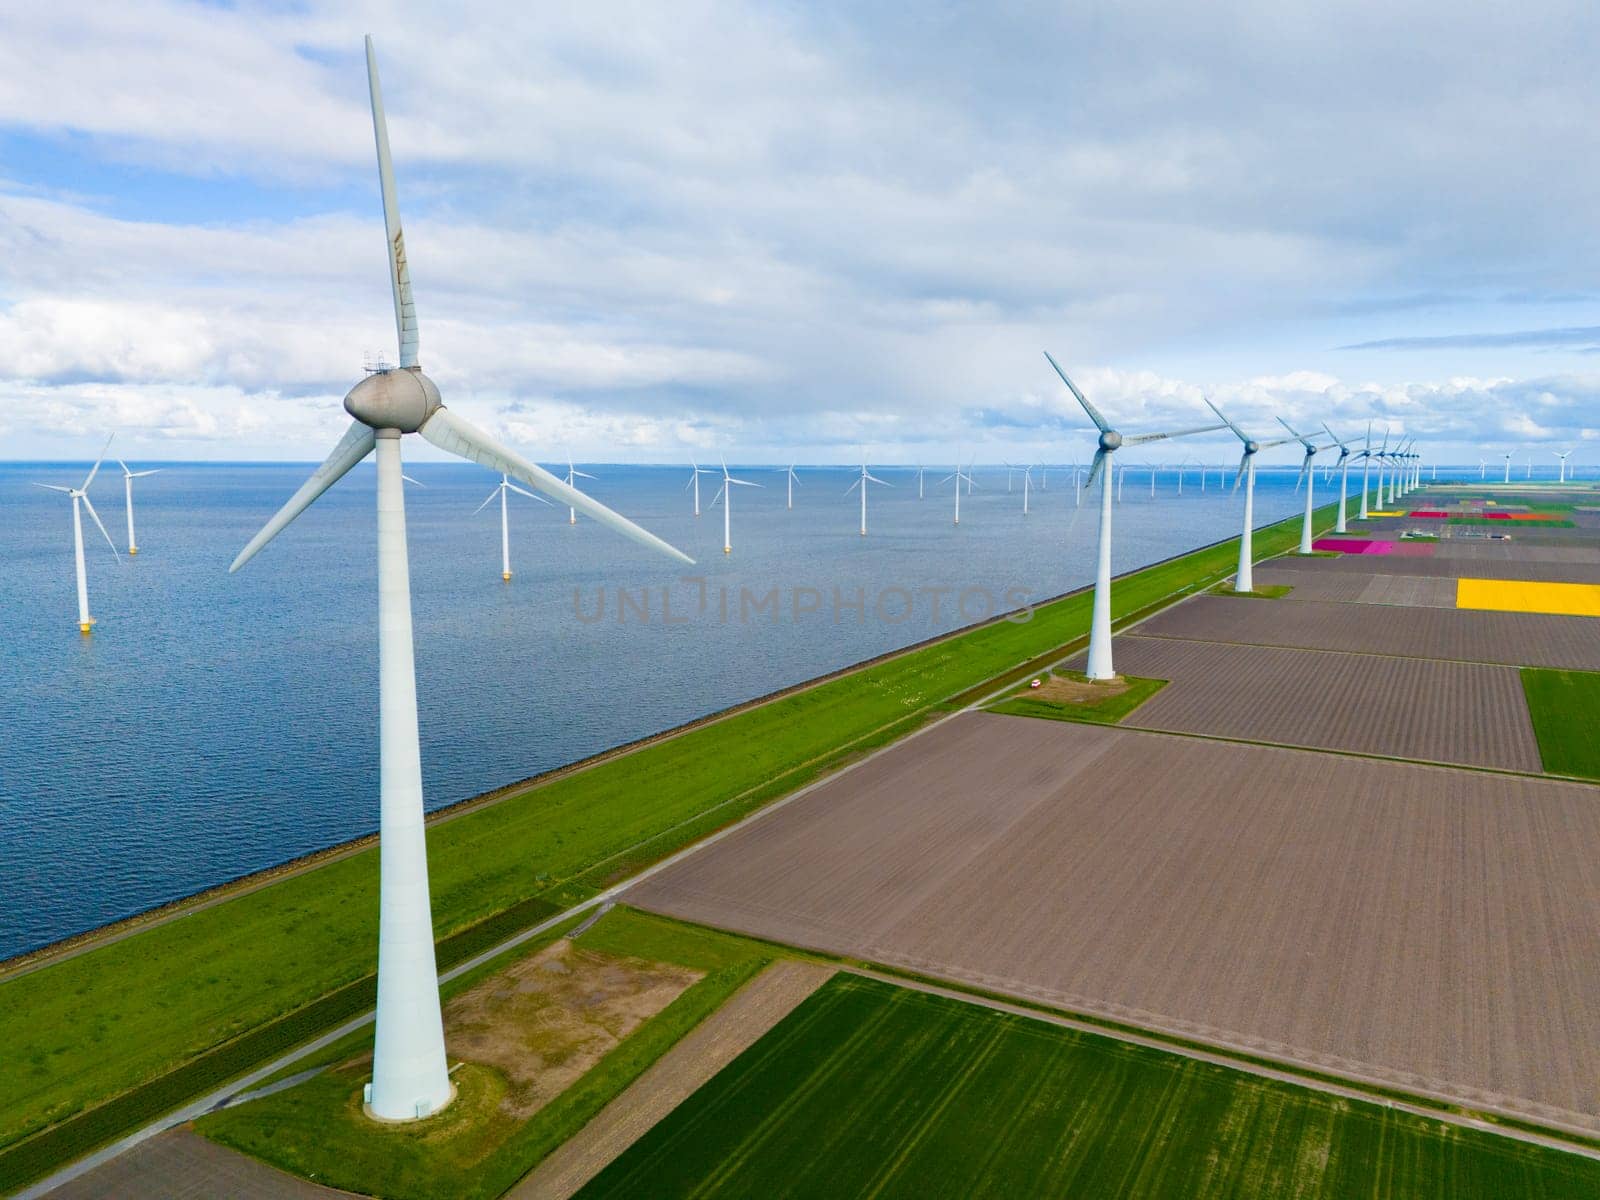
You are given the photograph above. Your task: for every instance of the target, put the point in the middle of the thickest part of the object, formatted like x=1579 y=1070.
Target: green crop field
x=872 y=1090
x=138 y=1025
x=1564 y=706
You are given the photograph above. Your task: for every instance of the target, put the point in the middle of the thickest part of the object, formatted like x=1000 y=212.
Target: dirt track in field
x=1445 y=712
x=1526 y=639
x=704 y=1051
x=1426 y=927
x=1483 y=568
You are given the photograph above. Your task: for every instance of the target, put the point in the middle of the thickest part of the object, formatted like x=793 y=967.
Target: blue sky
x=786 y=231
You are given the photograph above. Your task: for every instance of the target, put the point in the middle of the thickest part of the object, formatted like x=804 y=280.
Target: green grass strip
x=1564 y=706
x=1107 y=710
x=867 y=1089
x=129 y=1015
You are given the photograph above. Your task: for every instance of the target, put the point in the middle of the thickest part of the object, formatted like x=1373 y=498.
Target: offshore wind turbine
x=1507 y=457
x=1343 y=466
x=127 y=492
x=1027 y=480
x=959 y=477
x=410 y=1078
x=80 y=495
x=725 y=494
x=1099 y=662
x=1244 y=579
x=791 y=479
x=573 y=475
x=500 y=489
x=919 y=481
x=865 y=478
x=1307 y=477
x=694 y=482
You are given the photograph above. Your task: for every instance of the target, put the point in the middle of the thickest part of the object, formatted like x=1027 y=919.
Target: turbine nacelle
x=400 y=398
x=1110 y=440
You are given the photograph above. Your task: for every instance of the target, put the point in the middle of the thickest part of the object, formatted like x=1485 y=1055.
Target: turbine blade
x=1237 y=432
x=405 y=311
x=875 y=479
x=460 y=437
x=487 y=502
x=1176 y=433
x=1244 y=461
x=1100 y=457
x=528 y=494
x=355 y=445
x=94 y=470
x=582 y=474
x=418 y=482
x=744 y=482
x=54 y=487
x=142 y=474
x=1094 y=415
x=101 y=525
x=853 y=486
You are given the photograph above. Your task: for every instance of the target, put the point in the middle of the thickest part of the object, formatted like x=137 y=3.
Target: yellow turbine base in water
x=727 y=549
x=86 y=626
x=133 y=549
x=1522 y=596
x=506 y=575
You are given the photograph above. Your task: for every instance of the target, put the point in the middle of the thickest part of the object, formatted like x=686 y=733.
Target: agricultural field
x=100 y=1042
x=1413 y=708
x=873 y=1090
x=1564 y=705
x=1515 y=639
x=1416 y=927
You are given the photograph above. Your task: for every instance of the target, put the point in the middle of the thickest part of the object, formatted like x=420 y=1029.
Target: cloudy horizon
x=787 y=232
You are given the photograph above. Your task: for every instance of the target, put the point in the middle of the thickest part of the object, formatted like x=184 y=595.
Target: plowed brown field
x=1428 y=927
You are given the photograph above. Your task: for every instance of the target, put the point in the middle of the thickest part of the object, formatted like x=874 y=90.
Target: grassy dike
x=100 y=1043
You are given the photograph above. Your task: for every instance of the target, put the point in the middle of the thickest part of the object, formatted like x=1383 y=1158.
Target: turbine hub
x=401 y=398
x=1110 y=440
x=1251 y=447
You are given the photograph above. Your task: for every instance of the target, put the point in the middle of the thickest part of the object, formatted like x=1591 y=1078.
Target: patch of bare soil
x=1062 y=689
x=545 y=1020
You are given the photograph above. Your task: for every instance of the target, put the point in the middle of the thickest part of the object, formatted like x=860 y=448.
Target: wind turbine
x=500 y=489
x=1010 y=473
x=866 y=478
x=791 y=479
x=409 y=1074
x=1563 y=457
x=1507 y=457
x=1343 y=466
x=725 y=494
x=79 y=495
x=127 y=488
x=1307 y=477
x=1027 y=480
x=1483 y=467
x=1099 y=664
x=573 y=475
x=694 y=482
x=919 y=481
x=959 y=477
x=1244 y=579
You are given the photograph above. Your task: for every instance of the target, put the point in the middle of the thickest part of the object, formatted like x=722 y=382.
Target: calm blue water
x=215 y=724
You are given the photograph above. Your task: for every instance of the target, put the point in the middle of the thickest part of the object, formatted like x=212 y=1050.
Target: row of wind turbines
x=1561 y=457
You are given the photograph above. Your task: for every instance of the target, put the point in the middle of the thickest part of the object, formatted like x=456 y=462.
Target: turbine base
x=86 y=626
x=133 y=549
x=506 y=575
x=727 y=549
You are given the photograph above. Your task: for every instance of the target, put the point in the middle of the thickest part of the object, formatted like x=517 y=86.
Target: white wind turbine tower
x=1027 y=481
x=1507 y=457
x=505 y=485
x=80 y=495
x=694 y=482
x=1562 y=455
x=791 y=479
x=1343 y=466
x=127 y=490
x=1307 y=477
x=725 y=494
x=573 y=475
x=1244 y=577
x=1366 y=456
x=1377 y=456
x=409 y=1074
x=865 y=478
x=1099 y=664
x=1483 y=467
x=919 y=481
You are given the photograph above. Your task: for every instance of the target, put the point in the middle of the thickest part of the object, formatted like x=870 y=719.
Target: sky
x=809 y=232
